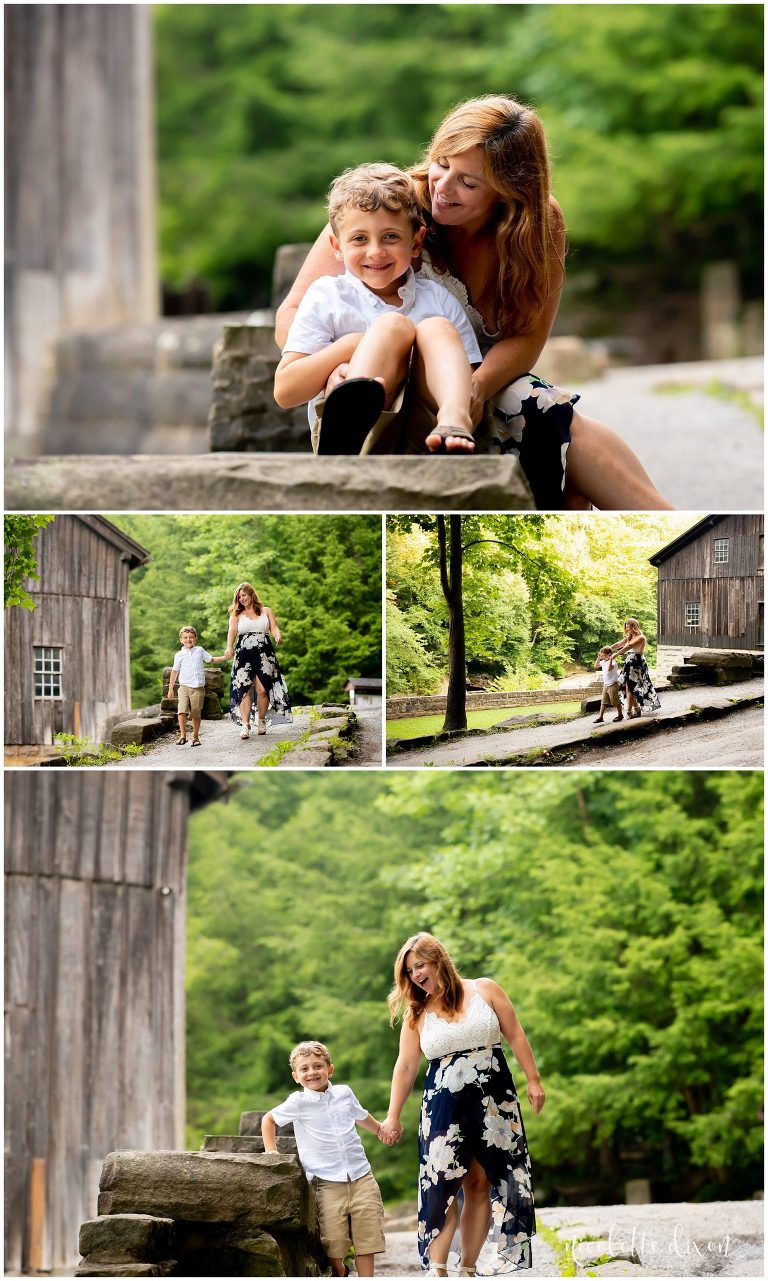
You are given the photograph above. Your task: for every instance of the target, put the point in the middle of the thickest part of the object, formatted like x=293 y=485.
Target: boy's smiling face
x=312 y=1071
x=377 y=246
x=188 y=639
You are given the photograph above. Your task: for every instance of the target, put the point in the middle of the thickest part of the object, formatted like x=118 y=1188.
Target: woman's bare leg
x=262 y=700
x=442 y=376
x=475 y=1214
x=245 y=708
x=441 y=1244
x=603 y=468
x=384 y=352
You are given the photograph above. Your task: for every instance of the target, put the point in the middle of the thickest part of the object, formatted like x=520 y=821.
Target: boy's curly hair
x=372 y=187
x=305 y=1048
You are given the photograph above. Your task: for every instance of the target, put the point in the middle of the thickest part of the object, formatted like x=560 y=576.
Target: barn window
x=47 y=671
x=721 y=551
x=692 y=614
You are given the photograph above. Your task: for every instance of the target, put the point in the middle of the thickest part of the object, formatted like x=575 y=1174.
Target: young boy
x=188 y=665
x=349 y=1202
x=385 y=323
x=610 y=698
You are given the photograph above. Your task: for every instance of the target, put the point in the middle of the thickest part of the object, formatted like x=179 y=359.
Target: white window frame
x=722 y=544
x=48 y=663
x=693 y=613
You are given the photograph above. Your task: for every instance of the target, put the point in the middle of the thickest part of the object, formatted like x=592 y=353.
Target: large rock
x=268 y=1191
x=268 y=482
x=250 y=1123
x=117 y=1238
x=246 y=1143
x=138 y=730
x=87 y=1268
x=721 y=658
x=244 y=414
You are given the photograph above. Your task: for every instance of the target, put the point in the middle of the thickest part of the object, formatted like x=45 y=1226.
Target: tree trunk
x=451 y=582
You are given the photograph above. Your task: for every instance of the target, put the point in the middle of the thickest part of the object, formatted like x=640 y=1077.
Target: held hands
x=535 y=1096
x=390 y=1132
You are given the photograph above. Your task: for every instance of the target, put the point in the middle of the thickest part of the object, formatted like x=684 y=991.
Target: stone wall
x=229 y=1210
x=400 y=706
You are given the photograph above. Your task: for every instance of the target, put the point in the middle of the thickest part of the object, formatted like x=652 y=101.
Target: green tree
x=20 y=556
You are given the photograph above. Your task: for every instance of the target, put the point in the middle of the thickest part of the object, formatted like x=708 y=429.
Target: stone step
x=250 y=1124
x=246 y=1143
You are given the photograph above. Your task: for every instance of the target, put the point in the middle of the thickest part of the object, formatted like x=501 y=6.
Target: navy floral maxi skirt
x=255 y=657
x=470 y=1109
x=532 y=419
x=636 y=677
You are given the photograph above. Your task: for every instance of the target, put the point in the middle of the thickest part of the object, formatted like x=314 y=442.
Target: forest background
x=622 y=911
x=321 y=576
x=653 y=112
x=541 y=594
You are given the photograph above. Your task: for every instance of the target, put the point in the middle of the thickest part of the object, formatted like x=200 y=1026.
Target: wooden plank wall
x=728 y=594
x=82 y=599
x=95 y=919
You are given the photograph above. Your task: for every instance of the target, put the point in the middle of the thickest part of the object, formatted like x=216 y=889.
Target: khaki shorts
x=610 y=697
x=399 y=430
x=350 y=1213
x=191 y=698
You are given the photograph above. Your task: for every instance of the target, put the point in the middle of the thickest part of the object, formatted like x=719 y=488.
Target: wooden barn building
x=710 y=589
x=95 y=895
x=67 y=665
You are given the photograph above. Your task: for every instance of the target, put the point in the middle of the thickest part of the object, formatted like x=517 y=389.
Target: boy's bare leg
x=364 y=1264
x=182 y=724
x=337 y=1267
x=442 y=376
x=603 y=468
x=384 y=353
x=196 y=726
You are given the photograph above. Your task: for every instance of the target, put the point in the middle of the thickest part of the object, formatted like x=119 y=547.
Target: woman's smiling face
x=459 y=191
x=423 y=974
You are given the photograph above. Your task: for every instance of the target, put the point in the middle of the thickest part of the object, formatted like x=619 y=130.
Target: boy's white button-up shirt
x=326 y=1136
x=610 y=671
x=334 y=306
x=189 y=664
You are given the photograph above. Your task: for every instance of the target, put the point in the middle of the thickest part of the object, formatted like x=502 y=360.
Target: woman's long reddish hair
x=528 y=223
x=236 y=608
x=405 y=995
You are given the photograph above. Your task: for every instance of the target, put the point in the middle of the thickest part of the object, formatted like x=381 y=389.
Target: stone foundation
x=401 y=706
x=230 y=1210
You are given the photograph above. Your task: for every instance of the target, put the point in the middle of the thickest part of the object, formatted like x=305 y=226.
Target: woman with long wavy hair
x=471 y=1135
x=255 y=669
x=634 y=679
x=496 y=239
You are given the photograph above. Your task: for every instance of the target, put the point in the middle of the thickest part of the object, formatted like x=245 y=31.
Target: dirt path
x=494 y=746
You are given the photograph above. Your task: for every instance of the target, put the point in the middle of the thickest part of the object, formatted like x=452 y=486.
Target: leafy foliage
x=539 y=592
x=623 y=917
x=659 y=167
x=20 y=556
x=321 y=575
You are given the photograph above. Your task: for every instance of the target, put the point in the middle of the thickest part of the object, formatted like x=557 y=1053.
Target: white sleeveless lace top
x=459 y=290
x=477 y=1029
x=245 y=624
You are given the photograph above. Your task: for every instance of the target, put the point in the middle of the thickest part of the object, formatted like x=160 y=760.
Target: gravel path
x=222 y=748
x=721 y=1238
x=702 y=451
x=502 y=743
x=737 y=739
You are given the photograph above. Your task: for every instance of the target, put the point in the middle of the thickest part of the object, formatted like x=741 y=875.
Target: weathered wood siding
x=79 y=192
x=729 y=594
x=95 y=916
x=82 y=599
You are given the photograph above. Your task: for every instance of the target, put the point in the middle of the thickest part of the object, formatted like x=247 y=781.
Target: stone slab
x=250 y=1124
x=138 y=730
x=260 y=1191
x=122 y=1238
x=165 y=1268
x=266 y=482
x=246 y=1143
x=721 y=657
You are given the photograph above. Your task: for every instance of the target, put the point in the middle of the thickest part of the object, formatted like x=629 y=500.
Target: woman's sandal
x=349 y=413
x=444 y=433
x=262 y=727
x=181 y=742
x=245 y=733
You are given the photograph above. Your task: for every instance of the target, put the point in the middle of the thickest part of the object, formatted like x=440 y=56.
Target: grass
x=416 y=726
x=81 y=751
x=720 y=391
